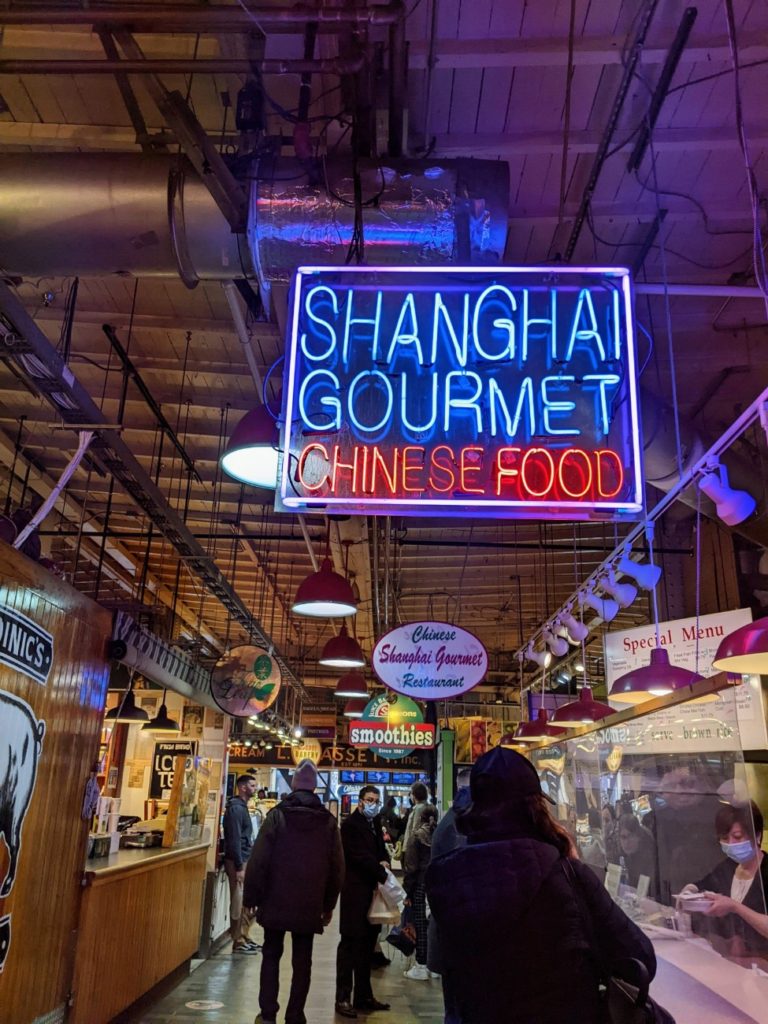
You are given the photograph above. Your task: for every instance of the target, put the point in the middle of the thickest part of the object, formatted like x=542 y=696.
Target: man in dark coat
x=366 y=861
x=293 y=878
x=238 y=840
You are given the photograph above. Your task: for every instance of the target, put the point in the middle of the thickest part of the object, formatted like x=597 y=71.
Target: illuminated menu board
x=505 y=392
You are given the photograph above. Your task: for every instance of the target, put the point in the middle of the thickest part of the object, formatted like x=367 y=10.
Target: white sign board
x=429 y=660
x=631 y=648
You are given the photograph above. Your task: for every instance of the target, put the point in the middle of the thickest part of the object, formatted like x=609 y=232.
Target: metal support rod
x=182 y=66
x=128 y=95
x=219 y=18
x=605 y=141
x=231 y=295
x=398 y=86
x=662 y=87
x=650 y=238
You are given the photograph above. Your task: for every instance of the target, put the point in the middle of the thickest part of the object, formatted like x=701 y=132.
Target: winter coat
x=238 y=832
x=364 y=850
x=445 y=839
x=512 y=936
x=296 y=869
x=730 y=934
x=416 y=858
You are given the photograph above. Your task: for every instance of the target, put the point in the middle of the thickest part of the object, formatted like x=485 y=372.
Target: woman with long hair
x=526 y=930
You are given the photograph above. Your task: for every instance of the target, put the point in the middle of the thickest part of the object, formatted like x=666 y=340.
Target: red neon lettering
x=619 y=468
x=501 y=472
x=443 y=467
x=364 y=474
x=478 y=465
x=587 y=465
x=524 y=466
x=406 y=468
x=302 y=462
x=338 y=466
x=378 y=463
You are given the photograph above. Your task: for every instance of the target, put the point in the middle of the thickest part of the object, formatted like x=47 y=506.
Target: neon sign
x=510 y=392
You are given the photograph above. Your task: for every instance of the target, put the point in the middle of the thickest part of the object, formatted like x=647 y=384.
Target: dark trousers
x=452 y=1015
x=301 y=961
x=353 y=964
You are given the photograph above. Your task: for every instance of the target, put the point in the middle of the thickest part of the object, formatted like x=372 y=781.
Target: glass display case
x=659 y=806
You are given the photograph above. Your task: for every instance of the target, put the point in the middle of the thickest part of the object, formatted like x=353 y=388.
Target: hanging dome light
x=342 y=651
x=745 y=650
x=657 y=679
x=352 y=684
x=583 y=711
x=252 y=453
x=325 y=594
x=537 y=729
x=127 y=712
x=355 y=707
x=162 y=722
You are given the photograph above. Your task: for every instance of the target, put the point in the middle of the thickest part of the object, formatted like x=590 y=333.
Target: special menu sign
x=430 y=660
x=420 y=391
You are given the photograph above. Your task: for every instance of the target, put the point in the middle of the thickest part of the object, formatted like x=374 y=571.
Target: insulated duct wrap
x=430 y=212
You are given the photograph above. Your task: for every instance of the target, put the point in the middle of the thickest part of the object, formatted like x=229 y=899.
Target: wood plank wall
x=44 y=901
x=136 y=927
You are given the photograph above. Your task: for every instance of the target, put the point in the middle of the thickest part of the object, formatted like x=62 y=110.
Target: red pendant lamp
x=252 y=453
x=583 y=711
x=745 y=650
x=355 y=707
x=657 y=679
x=325 y=594
x=536 y=730
x=352 y=684
x=342 y=651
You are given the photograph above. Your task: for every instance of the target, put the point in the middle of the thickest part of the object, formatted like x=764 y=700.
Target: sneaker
x=255 y=946
x=245 y=949
x=417 y=973
x=434 y=974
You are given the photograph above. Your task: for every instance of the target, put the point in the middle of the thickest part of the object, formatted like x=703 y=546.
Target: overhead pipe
x=183 y=66
x=233 y=300
x=84 y=439
x=218 y=18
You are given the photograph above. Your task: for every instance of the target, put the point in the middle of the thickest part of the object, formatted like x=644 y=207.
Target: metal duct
x=415 y=211
x=95 y=214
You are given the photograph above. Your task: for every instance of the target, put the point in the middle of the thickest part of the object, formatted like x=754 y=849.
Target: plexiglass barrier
x=660 y=810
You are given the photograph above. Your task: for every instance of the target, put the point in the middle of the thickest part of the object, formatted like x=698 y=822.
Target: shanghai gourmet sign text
x=507 y=391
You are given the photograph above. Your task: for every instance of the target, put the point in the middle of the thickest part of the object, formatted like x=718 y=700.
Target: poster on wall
x=430 y=660
x=20 y=749
x=192 y=721
x=163 y=760
x=630 y=648
x=454 y=391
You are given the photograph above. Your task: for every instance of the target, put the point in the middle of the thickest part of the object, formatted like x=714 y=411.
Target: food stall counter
x=128 y=860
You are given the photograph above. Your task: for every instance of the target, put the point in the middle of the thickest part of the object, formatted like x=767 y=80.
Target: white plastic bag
x=380 y=913
x=392 y=892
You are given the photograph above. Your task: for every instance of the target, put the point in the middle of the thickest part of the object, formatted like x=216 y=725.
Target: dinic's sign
x=510 y=391
x=25 y=646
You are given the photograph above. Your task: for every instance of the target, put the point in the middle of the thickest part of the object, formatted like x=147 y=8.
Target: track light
x=646 y=576
x=622 y=593
x=576 y=630
x=557 y=645
x=605 y=607
x=542 y=658
x=732 y=506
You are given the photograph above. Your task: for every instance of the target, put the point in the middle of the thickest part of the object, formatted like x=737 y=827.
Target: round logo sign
x=388 y=720
x=430 y=660
x=246 y=681
x=312 y=750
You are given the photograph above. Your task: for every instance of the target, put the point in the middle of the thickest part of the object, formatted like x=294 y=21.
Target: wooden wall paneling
x=43 y=903
x=136 y=927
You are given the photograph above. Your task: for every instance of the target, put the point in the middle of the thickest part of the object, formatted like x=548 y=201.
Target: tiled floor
x=234 y=981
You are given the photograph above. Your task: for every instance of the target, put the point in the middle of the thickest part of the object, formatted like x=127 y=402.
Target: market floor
x=232 y=982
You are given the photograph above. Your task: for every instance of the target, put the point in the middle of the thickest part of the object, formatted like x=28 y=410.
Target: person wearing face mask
x=366 y=859
x=737 y=923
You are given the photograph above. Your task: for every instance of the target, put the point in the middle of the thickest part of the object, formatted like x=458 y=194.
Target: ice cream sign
x=505 y=391
x=430 y=660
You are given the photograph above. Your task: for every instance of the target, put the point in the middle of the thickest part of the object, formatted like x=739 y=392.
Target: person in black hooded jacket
x=509 y=921
x=293 y=878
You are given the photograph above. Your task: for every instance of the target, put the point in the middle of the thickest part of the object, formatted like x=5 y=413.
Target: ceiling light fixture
x=542 y=658
x=537 y=729
x=622 y=593
x=745 y=650
x=645 y=575
x=557 y=645
x=605 y=607
x=126 y=711
x=583 y=711
x=325 y=594
x=576 y=630
x=162 y=722
x=352 y=684
x=355 y=707
x=252 y=453
x=732 y=506
x=656 y=679
x=342 y=651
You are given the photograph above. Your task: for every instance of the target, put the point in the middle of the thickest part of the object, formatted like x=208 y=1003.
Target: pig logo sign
x=21 y=739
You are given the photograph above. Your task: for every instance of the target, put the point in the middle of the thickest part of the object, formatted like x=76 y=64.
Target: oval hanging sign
x=430 y=660
x=246 y=681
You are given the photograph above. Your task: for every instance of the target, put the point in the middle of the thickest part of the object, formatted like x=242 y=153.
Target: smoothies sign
x=430 y=660
x=505 y=392
x=391 y=726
